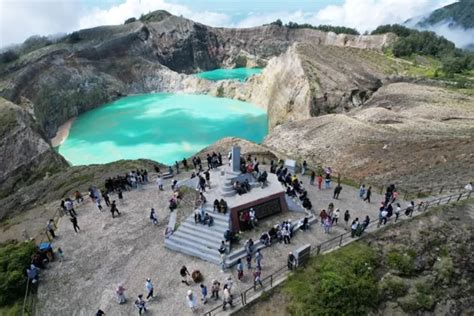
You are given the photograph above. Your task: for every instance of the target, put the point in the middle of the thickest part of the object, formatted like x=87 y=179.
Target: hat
x=148 y=280
x=190 y=292
x=290 y=253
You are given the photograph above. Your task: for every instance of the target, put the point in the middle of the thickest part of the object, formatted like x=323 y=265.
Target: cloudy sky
x=20 y=19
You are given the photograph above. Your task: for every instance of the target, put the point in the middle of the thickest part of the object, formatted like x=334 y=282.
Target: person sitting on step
x=208 y=220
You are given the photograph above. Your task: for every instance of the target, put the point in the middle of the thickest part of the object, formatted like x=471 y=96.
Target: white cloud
x=360 y=14
x=20 y=19
x=368 y=14
x=134 y=8
x=456 y=34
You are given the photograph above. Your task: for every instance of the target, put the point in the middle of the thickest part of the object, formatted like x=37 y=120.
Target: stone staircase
x=200 y=240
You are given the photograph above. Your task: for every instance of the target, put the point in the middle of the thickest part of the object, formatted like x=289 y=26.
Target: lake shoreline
x=62 y=133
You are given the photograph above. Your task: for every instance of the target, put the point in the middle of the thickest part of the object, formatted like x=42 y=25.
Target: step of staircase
x=202 y=229
x=192 y=251
x=218 y=225
x=186 y=230
x=204 y=245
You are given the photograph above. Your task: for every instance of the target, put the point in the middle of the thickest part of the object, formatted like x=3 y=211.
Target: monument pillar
x=235 y=163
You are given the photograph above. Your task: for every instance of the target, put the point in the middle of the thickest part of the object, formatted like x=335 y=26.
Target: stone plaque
x=302 y=254
x=262 y=211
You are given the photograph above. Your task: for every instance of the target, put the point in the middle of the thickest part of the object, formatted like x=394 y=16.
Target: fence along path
x=251 y=294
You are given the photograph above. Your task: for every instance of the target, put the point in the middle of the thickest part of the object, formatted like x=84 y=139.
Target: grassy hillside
x=412 y=268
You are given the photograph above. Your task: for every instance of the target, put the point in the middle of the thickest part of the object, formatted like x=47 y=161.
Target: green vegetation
x=412 y=42
x=130 y=20
x=393 y=286
x=8 y=56
x=340 y=283
x=324 y=28
x=461 y=13
x=402 y=261
x=14 y=258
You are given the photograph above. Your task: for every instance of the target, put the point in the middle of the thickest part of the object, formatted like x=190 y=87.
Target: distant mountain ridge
x=458 y=14
x=454 y=21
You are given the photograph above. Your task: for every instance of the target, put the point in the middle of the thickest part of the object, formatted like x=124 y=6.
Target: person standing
x=253 y=219
x=258 y=258
x=215 y=287
x=191 y=300
x=203 y=293
x=337 y=191
x=74 y=224
x=99 y=206
x=184 y=275
x=159 y=182
x=153 y=217
x=286 y=236
x=114 y=209
x=140 y=304
x=249 y=261
x=257 y=275
x=227 y=297
x=69 y=207
x=149 y=288
x=120 y=196
x=312 y=177
x=327 y=224
x=60 y=254
x=105 y=195
x=303 y=168
x=335 y=217
x=347 y=217
x=176 y=164
x=397 y=212
x=368 y=194
x=50 y=228
x=320 y=181
x=362 y=191
x=354 y=226
x=120 y=291
x=240 y=270
x=291 y=261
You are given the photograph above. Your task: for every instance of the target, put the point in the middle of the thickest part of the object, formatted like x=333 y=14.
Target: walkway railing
x=251 y=294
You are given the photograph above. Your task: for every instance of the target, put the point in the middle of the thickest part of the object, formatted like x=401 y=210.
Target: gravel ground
x=129 y=249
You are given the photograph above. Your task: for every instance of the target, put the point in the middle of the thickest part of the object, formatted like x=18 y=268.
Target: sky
x=20 y=19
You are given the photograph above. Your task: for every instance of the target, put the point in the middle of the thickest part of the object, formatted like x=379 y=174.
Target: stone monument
x=235 y=162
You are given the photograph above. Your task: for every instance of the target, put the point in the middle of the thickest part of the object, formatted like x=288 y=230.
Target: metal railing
x=405 y=194
x=252 y=293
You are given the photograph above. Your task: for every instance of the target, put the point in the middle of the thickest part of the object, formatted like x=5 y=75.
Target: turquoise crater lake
x=240 y=74
x=162 y=127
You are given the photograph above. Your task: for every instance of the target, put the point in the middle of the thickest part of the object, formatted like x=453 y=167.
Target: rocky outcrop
x=94 y=66
x=26 y=156
x=406 y=133
x=308 y=80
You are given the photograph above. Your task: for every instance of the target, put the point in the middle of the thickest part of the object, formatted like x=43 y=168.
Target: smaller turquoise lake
x=162 y=127
x=240 y=74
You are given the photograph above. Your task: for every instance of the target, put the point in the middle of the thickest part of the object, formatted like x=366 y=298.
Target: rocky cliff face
x=97 y=65
x=308 y=80
x=26 y=156
x=406 y=133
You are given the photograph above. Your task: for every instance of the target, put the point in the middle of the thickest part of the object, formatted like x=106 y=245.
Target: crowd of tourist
x=282 y=232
